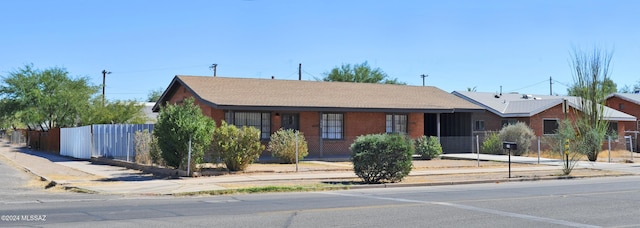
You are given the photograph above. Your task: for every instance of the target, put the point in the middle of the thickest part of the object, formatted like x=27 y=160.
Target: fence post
x=631 y=147
x=128 y=145
x=538 y=150
x=478 y=149
x=189 y=158
x=297 y=151
x=609 y=143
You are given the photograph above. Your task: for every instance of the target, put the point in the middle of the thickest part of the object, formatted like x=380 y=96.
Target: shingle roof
x=522 y=105
x=247 y=93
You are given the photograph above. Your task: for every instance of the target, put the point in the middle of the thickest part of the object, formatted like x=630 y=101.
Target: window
x=479 y=125
x=508 y=122
x=259 y=120
x=613 y=130
x=621 y=106
x=549 y=126
x=396 y=123
x=332 y=125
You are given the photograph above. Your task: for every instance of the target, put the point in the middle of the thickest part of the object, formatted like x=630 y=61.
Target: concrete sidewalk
x=619 y=167
x=106 y=179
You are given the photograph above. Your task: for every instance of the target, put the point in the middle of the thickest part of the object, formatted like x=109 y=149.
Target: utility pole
x=214 y=67
x=104 y=78
x=300 y=72
x=550 y=86
x=423 y=76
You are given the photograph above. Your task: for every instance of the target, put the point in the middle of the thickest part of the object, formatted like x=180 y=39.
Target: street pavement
x=107 y=179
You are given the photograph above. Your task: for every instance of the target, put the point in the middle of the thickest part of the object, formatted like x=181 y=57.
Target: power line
x=314 y=77
x=529 y=86
x=159 y=69
x=562 y=83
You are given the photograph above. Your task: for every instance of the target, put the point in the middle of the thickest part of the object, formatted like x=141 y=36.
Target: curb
x=487 y=181
x=50 y=182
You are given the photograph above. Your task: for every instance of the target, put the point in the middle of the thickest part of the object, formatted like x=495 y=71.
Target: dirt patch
x=616 y=156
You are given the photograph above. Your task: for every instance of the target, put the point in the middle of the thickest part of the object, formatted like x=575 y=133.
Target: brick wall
x=626 y=107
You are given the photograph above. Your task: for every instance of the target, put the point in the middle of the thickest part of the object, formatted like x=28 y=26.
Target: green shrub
x=428 y=147
x=519 y=133
x=492 y=144
x=176 y=125
x=154 y=151
x=283 y=145
x=237 y=147
x=382 y=157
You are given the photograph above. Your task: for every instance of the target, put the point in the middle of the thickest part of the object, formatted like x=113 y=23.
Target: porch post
x=438 y=125
x=320 y=131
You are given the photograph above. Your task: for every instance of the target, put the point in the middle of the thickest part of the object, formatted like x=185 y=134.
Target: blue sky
x=484 y=44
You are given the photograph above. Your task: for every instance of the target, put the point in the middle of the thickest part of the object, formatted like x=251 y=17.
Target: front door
x=290 y=121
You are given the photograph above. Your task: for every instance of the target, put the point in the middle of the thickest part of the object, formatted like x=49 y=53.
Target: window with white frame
x=479 y=125
x=259 y=120
x=397 y=123
x=550 y=126
x=332 y=125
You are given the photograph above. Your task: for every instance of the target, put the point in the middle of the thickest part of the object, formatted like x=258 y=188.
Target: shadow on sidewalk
x=45 y=155
x=112 y=172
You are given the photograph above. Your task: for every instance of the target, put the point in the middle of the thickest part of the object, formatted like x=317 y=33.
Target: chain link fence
x=14 y=137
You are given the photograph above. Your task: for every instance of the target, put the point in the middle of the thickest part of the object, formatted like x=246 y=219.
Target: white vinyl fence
x=115 y=141
x=76 y=142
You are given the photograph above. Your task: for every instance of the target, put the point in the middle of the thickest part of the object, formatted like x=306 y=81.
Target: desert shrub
x=177 y=124
x=237 y=147
x=558 y=142
x=283 y=145
x=519 y=133
x=382 y=157
x=492 y=144
x=154 y=151
x=142 y=141
x=428 y=147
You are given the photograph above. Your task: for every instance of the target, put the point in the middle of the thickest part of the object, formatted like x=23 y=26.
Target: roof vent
x=527 y=96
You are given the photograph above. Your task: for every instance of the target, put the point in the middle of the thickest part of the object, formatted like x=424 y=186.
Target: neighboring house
x=147 y=109
x=330 y=114
x=628 y=103
x=542 y=113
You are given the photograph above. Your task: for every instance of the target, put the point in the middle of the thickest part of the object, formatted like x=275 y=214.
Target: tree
x=177 y=124
x=113 y=112
x=10 y=119
x=359 y=73
x=154 y=95
x=590 y=71
x=607 y=85
x=630 y=89
x=45 y=97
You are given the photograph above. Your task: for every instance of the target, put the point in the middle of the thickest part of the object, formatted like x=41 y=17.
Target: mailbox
x=509 y=145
